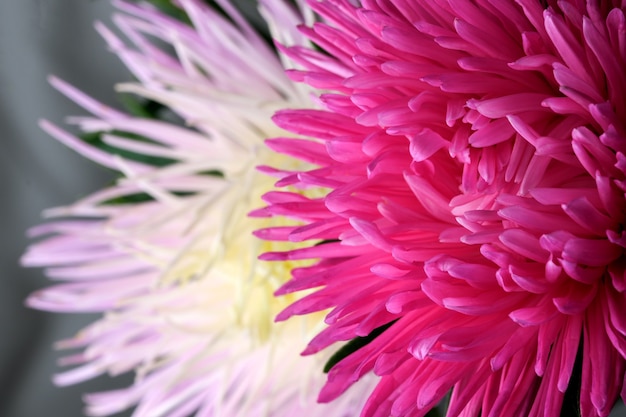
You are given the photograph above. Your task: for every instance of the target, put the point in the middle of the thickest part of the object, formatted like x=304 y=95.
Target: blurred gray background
x=37 y=38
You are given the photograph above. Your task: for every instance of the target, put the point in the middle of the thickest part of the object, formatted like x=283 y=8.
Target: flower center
x=218 y=260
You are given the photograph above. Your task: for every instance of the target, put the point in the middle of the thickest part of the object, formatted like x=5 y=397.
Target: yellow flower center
x=221 y=256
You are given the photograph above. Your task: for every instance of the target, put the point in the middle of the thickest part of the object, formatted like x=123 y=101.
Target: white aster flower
x=186 y=304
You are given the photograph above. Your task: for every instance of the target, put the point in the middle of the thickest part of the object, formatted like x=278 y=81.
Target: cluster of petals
x=186 y=304
x=473 y=157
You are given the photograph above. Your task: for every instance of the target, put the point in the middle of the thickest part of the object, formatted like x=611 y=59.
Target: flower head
x=167 y=252
x=473 y=156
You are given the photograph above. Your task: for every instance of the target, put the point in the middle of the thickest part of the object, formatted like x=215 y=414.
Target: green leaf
x=250 y=14
x=212 y=173
x=129 y=199
x=141 y=107
x=169 y=8
x=95 y=140
x=138 y=198
x=434 y=412
x=354 y=345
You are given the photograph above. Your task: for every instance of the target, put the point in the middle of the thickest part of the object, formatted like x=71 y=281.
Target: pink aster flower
x=167 y=252
x=473 y=157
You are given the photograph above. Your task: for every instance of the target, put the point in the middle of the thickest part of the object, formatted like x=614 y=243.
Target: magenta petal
x=576 y=300
x=494 y=133
x=588 y=216
x=531 y=316
x=591 y=252
x=524 y=243
x=487 y=193
x=509 y=105
x=425 y=144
